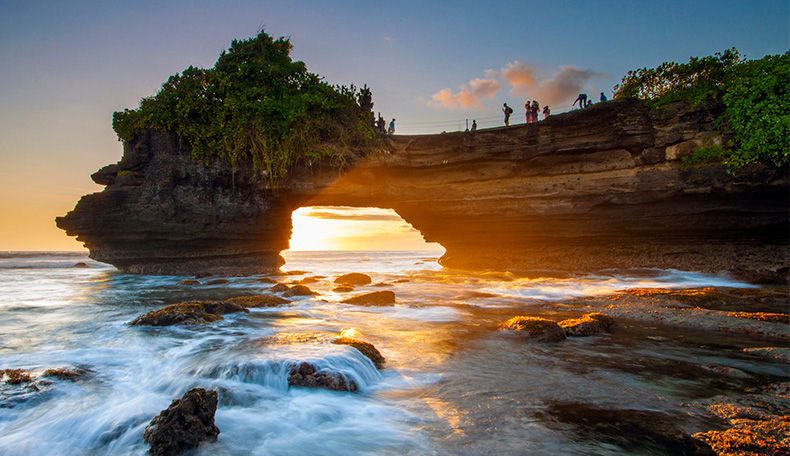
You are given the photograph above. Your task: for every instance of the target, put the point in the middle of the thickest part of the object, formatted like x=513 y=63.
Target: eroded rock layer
x=585 y=190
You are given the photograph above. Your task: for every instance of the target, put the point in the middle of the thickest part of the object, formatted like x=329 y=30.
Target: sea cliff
x=582 y=191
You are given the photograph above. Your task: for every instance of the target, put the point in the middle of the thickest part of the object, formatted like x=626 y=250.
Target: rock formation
x=187 y=422
x=584 y=190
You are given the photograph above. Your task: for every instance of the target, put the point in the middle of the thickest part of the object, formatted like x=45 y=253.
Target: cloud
x=468 y=96
x=526 y=81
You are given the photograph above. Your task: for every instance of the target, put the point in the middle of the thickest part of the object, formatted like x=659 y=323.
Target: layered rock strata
x=585 y=190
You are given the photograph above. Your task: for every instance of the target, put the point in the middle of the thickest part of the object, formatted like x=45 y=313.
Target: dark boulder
x=187 y=313
x=217 y=282
x=299 y=290
x=184 y=425
x=189 y=282
x=588 y=325
x=377 y=298
x=366 y=348
x=81 y=265
x=279 y=288
x=305 y=374
x=534 y=328
x=354 y=278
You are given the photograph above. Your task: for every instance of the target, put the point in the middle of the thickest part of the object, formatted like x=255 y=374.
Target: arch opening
x=337 y=228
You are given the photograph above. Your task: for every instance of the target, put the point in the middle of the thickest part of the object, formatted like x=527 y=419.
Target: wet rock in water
x=296 y=272
x=726 y=371
x=535 y=328
x=184 y=424
x=777 y=353
x=759 y=423
x=187 y=313
x=354 y=278
x=309 y=280
x=377 y=298
x=343 y=289
x=265 y=280
x=189 y=282
x=81 y=265
x=305 y=374
x=258 y=301
x=66 y=374
x=382 y=284
x=279 y=288
x=366 y=348
x=217 y=281
x=299 y=290
x=588 y=325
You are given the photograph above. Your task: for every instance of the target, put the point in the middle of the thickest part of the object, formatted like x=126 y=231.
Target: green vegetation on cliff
x=756 y=94
x=257 y=105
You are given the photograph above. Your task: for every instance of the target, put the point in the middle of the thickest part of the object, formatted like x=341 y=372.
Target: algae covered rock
x=354 y=278
x=187 y=313
x=66 y=374
x=588 y=325
x=186 y=282
x=366 y=348
x=534 y=328
x=305 y=374
x=184 y=424
x=279 y=288
x=377 y=298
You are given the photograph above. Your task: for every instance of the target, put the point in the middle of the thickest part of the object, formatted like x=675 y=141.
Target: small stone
x=81 y=265
x=354 y=278
x=189 y=282
x=377 y=298
x=217 y=281
x=343 y=289
x=305 y=374
x=184 y=424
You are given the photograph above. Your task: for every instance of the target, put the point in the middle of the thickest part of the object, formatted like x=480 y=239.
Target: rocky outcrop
x=188 y=313
x=588 y=325
x=376 y=298
x=589 y=189
x=305 y=374
x=184 y=425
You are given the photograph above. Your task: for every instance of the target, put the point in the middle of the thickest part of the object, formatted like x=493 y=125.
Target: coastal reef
x=584 y=190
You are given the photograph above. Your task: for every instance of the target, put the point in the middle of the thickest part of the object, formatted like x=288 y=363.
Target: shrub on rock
x=354 y=278
x=535 y=328
x=305 y=374
x=366 y=348
x=377 y=298
x=184 y=424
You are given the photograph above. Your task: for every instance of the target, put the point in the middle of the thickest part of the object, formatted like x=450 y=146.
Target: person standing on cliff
x=603 y=97
x=546 y=112
x=392 y=127
x=581 y=99
x=535 y=109
x=508 y=111
x=528 y=111
x=474 y=126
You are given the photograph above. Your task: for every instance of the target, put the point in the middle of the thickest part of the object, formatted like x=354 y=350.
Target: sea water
x=452 y=384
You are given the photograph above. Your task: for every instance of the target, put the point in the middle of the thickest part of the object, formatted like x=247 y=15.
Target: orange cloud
x=468 y=96
x=521 y=76
x=558 y=90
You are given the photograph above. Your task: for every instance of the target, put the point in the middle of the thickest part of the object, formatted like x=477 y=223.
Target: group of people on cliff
x=533 y=108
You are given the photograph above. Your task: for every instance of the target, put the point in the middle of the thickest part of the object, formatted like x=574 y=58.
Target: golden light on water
x=352 y=228
x=351 y=333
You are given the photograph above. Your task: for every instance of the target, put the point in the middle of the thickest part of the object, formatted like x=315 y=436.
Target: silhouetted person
x=535 y=109
x=528 y=112
x=589 y=103
x=603 y=97
x=382 y=124
x=508 y=111
x=546 y=112
x=581 y=99
x=392 y=127
x=474 y=126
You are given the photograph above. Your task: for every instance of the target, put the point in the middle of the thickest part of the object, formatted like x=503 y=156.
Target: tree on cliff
x=259 y=106
x=756 y=94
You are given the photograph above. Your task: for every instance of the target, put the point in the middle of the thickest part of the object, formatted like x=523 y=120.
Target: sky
x=65 y=67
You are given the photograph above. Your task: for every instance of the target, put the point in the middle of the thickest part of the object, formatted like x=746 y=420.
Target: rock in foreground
x=377 y=298
x=588 y=325
x=366 y=348
x=185 y=424
x=187 y=313
x=305 y=374
x=534 y=328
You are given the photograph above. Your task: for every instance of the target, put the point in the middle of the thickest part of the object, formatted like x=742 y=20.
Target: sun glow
x=351 y=228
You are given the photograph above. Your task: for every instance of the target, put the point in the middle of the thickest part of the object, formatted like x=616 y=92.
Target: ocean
x=452 y=384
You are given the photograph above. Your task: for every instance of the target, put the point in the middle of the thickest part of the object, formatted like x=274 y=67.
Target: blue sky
x=66 y=66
